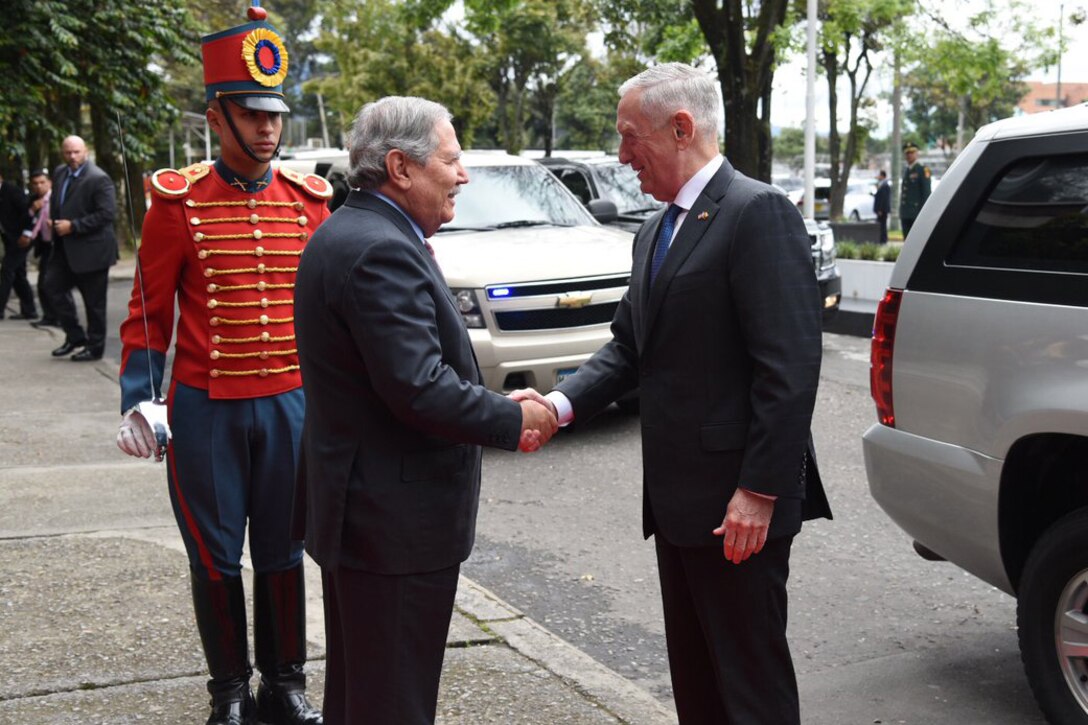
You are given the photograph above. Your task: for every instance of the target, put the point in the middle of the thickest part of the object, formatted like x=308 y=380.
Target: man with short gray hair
x=396 y=414
x=720 y=332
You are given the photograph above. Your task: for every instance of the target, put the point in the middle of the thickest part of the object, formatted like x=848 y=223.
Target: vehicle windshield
x=512 y=196
x=620 y=185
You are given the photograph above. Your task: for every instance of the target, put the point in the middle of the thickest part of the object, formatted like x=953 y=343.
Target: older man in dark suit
x=395 y=417
x=83 y=207
x=720 y=331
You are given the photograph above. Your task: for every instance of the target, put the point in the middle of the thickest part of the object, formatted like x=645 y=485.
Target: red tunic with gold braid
x=230 y=257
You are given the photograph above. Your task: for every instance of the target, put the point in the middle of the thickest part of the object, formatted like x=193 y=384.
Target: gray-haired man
x=395 y=417
x=720 y=331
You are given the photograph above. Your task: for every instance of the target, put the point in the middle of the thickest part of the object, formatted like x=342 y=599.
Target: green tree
x=744 y=39
x=789 y=147
x=104 y=56
x=586 y=116
x=383 y=47
x=532 y=46
x=962 y=87
x=971 y=70
x=851 y=32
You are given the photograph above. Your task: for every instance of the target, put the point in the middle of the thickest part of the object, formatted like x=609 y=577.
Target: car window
x=578 y=183
x=1034 y=218
x=619 y=184
x=514 y=195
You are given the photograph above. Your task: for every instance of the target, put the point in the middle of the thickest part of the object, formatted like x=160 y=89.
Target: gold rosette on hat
x=265 y=56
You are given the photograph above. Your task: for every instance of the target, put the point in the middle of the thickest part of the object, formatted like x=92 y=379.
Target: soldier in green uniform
x=915 y=189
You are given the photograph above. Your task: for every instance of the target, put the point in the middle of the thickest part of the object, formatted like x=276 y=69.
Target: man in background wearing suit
x=882 y=204
x=396 y=415
x=82 y=208
x=720 y=331
x=13 y=206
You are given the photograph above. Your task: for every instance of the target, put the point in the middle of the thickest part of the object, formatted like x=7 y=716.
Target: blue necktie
x=664 y=238
x=64 y=189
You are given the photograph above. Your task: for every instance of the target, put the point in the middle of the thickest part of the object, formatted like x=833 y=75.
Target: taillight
x=880 y=357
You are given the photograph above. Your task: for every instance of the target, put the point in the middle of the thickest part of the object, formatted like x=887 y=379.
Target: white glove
x=135 y=436
x=145 y=430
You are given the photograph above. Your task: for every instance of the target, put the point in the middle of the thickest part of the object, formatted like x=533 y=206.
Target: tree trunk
x=830 y=62
x=746 y=78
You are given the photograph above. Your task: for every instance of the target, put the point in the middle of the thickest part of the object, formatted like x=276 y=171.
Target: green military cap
x=909 y=147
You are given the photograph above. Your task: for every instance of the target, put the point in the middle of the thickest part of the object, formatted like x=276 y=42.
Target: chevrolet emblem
x=572 y=301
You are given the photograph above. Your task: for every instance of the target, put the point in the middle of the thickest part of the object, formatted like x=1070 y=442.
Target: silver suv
x=980 y=378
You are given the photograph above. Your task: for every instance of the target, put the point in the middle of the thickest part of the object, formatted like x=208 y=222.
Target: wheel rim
x=1071 y=636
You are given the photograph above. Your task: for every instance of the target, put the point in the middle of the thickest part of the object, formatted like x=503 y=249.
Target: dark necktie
x=664 y=238
x=64 y=188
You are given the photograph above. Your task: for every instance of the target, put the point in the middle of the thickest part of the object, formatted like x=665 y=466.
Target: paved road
x=878 y=634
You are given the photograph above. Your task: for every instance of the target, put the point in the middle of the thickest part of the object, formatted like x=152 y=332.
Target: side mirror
x=603 y=210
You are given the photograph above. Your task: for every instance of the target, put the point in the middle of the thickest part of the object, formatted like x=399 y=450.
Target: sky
x=788 y=100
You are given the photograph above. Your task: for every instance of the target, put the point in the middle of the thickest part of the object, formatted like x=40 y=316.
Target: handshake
x=539 y=419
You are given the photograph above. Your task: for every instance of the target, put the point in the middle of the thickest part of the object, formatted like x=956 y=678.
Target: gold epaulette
x=315 y=185
x=173 y=184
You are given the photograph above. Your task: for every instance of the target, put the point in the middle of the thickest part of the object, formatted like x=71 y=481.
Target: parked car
x=605 y=178
x=980 y=377
x=857 y=205
x=822 y=205
x=537 y=279
x=828 y=276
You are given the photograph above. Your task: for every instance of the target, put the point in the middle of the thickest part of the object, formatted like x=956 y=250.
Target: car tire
x=1052 y=615
x=855 y=216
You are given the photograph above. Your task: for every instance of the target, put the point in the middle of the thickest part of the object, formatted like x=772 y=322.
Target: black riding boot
x=279 y=632
x=221 y=618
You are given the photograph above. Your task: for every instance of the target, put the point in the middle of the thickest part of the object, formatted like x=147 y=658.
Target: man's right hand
x=135 y=436
x=538 y=424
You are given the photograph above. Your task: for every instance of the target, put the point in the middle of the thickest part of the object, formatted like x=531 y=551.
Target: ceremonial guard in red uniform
x=225 y=240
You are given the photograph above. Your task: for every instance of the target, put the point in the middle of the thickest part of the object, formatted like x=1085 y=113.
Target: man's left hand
x=747 y=519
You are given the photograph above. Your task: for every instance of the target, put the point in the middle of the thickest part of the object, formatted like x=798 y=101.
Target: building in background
x=1044 y=96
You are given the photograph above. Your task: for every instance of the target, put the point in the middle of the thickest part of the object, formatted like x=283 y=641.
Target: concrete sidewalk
x=96 y=622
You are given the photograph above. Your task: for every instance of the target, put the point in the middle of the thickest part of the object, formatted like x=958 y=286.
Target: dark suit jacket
x=882 y=199
x=91 y=205
x=13 y=205
x=389 y=475
x=725 y=348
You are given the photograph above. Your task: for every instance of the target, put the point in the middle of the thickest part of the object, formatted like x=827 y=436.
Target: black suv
x=604 y=178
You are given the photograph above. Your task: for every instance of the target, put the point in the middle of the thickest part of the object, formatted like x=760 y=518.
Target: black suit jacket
x=725 y=348
x=13 y=206
x=91 y=205
x=389 y=476
x=882 y=199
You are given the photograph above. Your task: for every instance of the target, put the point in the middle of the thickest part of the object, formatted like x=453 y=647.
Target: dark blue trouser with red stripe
x=233 y=462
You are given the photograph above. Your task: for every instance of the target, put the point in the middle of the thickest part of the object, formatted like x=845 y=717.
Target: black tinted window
x=620 y=185
x=577 y=182
x=1035 y=217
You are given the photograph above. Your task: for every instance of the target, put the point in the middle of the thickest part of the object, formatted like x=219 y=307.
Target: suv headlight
x=469 y=307
x=827 y=245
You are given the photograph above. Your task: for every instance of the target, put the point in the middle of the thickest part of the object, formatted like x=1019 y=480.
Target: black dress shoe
x=86 y=355
x=233 y=712
x=285 y=706
x=67 y=348
x=45 y=322
x=21 y=316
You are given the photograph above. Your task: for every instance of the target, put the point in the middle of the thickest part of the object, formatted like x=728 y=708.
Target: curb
x=613 y=692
